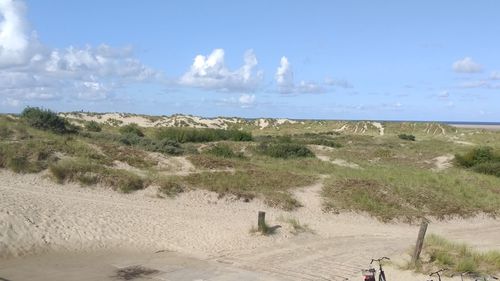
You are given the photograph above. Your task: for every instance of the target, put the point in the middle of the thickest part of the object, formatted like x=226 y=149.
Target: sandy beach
x=42 y=221
x=477 y=126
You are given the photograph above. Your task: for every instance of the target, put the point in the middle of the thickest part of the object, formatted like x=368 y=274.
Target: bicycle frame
x=438 y=273
x=381 y=274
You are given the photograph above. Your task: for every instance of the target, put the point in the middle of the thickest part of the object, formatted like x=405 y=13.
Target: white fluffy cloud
x=29 y=70
x=211 y=73
x=495 y=75
x=246 y=100
x=466 y=65
x=286 y=85
x=284 y=75
x=14 y=39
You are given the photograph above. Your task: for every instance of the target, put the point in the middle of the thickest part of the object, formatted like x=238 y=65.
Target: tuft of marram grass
x=87 y=172
x=439 y=252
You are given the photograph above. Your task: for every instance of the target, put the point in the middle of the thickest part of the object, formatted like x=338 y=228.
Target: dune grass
x=272 y=186
x=396 y=180
x=87 y=172
x=389 y=192
x=438 y=252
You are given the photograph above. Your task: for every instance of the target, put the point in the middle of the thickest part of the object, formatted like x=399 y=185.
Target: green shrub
x=93 y=126
x=164 y=146
x=132 y=129
x=476 y=156
x=223 y=150
x=407 y=137
x=130 y=139
x=284 y=150
x=45 y=119
x=183 y=135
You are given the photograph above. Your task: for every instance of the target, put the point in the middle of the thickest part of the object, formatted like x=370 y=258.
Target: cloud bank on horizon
x=104 y=77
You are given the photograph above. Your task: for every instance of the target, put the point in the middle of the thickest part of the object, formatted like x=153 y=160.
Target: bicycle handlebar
x=380 y=259
x=439 y=271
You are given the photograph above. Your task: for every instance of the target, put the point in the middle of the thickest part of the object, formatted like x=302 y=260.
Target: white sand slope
x=38 y=216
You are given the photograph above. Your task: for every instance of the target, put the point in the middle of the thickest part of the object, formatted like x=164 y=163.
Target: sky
x=332 y=59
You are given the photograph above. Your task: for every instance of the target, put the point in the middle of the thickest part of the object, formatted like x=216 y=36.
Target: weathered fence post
x=420 y=241
x=261 y=224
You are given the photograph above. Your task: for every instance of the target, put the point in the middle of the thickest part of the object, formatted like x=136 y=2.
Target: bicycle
x=462 y=275
x=476 y=277
x=369 y=274
x=486 y=278
x=438 y=273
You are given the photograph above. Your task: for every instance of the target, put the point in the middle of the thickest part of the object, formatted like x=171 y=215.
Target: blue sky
x=394 y=60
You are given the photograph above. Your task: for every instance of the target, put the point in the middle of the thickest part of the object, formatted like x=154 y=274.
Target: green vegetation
x=297 y=227
x=407 y=137
x=284 y=150
x=273 y=186
x=482 y=160
x=170 y=187
x=398 y=192
x=397 y=179
x=45 y=119
x=131 y=129
x=93 y=126
x=88 y=173
x=184 y=135
x=439 y=252
x=223 y=150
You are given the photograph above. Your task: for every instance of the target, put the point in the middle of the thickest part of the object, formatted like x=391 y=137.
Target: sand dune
x=38 y=217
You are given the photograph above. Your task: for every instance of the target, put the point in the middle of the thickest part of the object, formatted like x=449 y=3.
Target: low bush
x=284 y=150
x=223 y=150
x=183 y=135
x=482 y=160
x=164 y=146
x=45 y=119
x=476 y=156
x=131 y=129
x=93 y=126
x=407 y=137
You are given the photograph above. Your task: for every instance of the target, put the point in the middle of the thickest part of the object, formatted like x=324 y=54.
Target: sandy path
x=40 y=217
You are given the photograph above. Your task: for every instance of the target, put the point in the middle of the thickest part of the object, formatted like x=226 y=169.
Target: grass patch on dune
x=439 y=252
x=183 y=135
x=403 y=192
x=272 y=186
x=87 y=172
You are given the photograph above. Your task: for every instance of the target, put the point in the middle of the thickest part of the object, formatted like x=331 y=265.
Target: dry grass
x=401 y=192
x=439 y=252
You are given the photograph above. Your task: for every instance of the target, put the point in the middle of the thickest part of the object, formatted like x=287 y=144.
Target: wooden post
x=261 y=224
x=420 y=241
